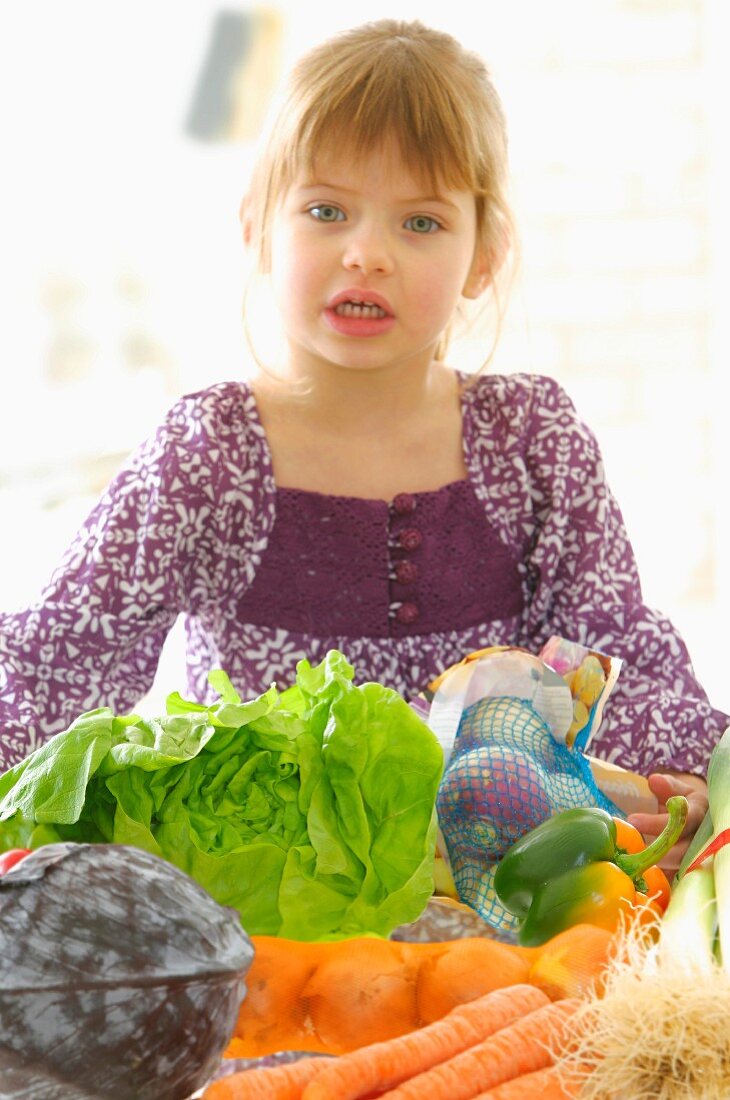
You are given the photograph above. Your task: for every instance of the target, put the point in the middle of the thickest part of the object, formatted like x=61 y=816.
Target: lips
x=359 y=313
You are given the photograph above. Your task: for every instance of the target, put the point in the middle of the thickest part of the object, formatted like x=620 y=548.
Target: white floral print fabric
x=185 y=526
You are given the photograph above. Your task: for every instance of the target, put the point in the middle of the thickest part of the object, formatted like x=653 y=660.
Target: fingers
x=664 y=785
x=673 y=858
x=695 y=815
x=649 y=824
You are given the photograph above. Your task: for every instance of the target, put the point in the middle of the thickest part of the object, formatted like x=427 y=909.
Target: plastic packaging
x=514 y=728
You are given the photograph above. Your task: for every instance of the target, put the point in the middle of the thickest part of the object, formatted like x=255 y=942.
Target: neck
x=359 y=400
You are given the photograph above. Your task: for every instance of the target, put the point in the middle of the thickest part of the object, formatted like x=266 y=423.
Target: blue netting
x=506 y=775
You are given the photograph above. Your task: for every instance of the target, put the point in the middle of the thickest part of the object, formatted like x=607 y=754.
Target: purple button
x=406 y=572
x=404 y=503
x=410 y=538
x=407 y=613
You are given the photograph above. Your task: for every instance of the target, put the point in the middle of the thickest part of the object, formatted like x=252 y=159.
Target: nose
x=368 y=251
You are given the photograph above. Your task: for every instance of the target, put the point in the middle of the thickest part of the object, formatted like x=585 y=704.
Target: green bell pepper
x=570 y=869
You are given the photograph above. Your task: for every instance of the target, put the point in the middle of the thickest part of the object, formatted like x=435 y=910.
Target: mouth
x=359 y=313
x=361 y=304
x=367 y=310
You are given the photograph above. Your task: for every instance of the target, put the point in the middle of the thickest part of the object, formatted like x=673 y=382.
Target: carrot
x=383 y=1065
x=284 y=1082
x=515 y=1050
x=542 y=1084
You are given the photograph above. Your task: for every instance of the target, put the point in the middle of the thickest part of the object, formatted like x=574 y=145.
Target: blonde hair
x=396 y=80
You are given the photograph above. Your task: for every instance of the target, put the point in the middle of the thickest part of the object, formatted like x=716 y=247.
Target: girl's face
x=368 y=264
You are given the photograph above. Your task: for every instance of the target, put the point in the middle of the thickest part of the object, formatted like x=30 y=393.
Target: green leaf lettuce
x=311 y=811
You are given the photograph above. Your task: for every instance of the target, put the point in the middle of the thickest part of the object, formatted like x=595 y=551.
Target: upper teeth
x=359 y=309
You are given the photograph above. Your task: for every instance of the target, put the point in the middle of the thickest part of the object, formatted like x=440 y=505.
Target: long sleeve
x=95 y=634
x=585 y=587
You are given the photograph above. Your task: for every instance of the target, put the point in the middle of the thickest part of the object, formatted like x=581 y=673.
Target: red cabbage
x=120 y=977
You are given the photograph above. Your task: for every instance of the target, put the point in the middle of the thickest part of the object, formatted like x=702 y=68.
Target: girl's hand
x=664 y=785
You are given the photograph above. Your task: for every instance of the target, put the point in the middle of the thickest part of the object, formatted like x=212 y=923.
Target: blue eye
x=422 y=223
x=324 y=212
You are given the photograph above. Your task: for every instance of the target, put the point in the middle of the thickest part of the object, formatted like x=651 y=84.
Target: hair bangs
x=435 y=137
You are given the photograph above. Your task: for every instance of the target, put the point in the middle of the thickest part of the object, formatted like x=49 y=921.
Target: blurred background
x=128 y=133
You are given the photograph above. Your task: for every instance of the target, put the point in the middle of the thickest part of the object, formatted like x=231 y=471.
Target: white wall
x=116 y=227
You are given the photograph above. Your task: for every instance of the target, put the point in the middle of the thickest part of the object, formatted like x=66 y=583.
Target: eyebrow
x=407 y=201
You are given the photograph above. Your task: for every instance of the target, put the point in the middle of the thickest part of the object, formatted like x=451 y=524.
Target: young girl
x=361 y=493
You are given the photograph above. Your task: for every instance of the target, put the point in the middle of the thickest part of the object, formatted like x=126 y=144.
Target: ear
x=487 y=261
x=244 y=214
x=480 y=274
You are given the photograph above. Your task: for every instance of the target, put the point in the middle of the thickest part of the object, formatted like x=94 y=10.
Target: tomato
x=10 y=858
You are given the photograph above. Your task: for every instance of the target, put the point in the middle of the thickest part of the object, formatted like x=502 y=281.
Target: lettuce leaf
x=311 y=811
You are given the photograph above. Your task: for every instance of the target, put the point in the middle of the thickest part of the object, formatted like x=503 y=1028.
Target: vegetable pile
x=119 y=976
x=311 y=811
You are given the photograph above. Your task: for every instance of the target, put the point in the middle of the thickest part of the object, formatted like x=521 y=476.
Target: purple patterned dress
x=530 y=544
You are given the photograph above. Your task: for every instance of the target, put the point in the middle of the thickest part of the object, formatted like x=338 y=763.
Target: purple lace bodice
x=422 y=564
x=529 y=544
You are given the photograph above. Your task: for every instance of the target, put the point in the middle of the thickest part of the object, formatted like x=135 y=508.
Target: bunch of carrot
x=502 y=1046
x=332 y=998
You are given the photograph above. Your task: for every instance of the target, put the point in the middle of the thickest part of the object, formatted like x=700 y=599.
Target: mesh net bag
x=506 y=774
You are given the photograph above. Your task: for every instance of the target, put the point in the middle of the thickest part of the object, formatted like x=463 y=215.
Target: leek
x=689 y=925
x=702 y=837
x=718 y=788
